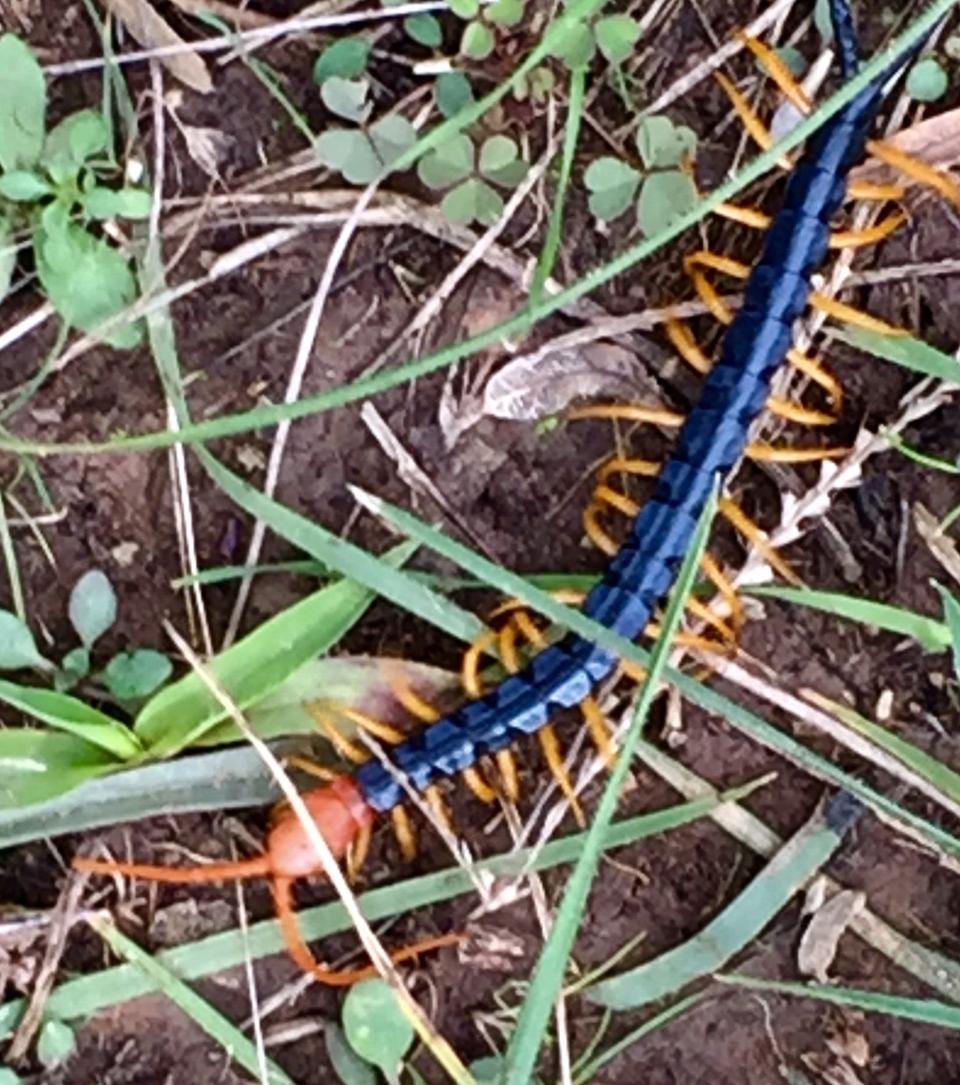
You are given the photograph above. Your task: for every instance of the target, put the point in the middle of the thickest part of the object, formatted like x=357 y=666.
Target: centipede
x=712 y=438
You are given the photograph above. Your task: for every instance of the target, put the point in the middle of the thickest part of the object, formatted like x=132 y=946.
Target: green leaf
x=464 y=9
x=86 y=280
x=664 y=198
x=74 y=666
x=822 y=20
x=424 y=29
x=612 y=186
x=793 y=59
x=37 y=765
x=23 y=104
x=125 y=203
x=473 y=200
x=391 y=136
x=9 y=1077
x=576 y=47
x=452 y=91
x=927 y=80
x=905 y=351
x=932 y=635
x=131 y=675
x=93 y=606
x=616 y=36
x=447 y=164
x=489 y=1070
x=24 y=185
x=346 y=97
x=17 y=645
x=55 y=1044
x=500 y=162
x=75 y=139
x=346 y=58
x=347 y=1064
x=506 y=13
x=537 y=85
x=350 y=152
x=951 y=611
x=185 y=712
x=74 y=716
x=375 y=1026
x=477 y=41
x=8 y=256
x=662 y=143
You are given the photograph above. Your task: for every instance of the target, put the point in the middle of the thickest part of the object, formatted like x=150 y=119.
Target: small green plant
x=92 y=609
x=469 y=177
x=376 y=1028
x=666 y=190
x=452 y=91
x=927 y=80
x=479 y=35
x=52 y=187
x=614 y=35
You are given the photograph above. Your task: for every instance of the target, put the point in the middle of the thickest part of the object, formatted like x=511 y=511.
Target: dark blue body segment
x=711 y=441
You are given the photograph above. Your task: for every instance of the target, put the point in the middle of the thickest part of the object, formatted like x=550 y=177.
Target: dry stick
x=294 y=385
x=61 y=921
x=179 y=481
x=331 y=869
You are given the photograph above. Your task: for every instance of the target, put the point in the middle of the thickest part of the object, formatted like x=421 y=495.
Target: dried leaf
x=535 y=385
x=206 y=146
x=935 y=141
x=152 y=31
x=818 y=947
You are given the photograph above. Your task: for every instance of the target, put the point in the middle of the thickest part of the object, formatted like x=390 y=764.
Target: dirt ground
x=498 y=479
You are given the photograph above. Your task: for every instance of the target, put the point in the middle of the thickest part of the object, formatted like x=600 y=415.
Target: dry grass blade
x=152 y=31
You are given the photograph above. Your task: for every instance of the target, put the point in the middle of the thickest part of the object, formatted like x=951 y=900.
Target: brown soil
x=498 y=479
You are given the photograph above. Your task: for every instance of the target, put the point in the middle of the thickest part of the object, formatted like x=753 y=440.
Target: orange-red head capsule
x=339 y=811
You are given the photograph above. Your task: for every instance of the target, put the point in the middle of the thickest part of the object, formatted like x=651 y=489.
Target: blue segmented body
x=711 y=441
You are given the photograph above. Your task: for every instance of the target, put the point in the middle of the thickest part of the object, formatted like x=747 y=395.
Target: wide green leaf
x=452 y=91
x=70 y=714
x=501 y=163
x=349 y=151
x=663 y=144
x=86 y=279
x=17 y=645
x=424 y=29
x=664 y=198
x=184 y=712
x=346 y=97
x=927 y=80
x=24 y=186
x=93 y=606
x=906 y=351
x=346 y=58
x=616 y=36
x=448 y=164
x=23 y=104
x=391 y=136
x=376 y=1027
x=612 y=185
x=473 y=201
x=477 y=41
x=74 y=140
x=132 y=675
x=38 y=765
x=124 y=203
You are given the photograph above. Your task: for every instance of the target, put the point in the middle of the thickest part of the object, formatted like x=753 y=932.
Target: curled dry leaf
x=152 y=31
x=935 y=141
x=539 y=384
x=818 y=946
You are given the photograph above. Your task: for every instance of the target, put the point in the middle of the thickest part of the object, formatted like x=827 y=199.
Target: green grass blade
x=512 y=584
x=928 y=632
x=589 y=1070
x=905 y=351
x=571 y=136
x=213 y=1023
x=733 y=929
x=345 y=557
x=85 y=995
x=185 y=711
x=222 y=780
x=939 y=774
x=514 y=326
x=936 y=463
x=74 y=716
x=951 y=611
x=524 y=1047
x=925 y=1010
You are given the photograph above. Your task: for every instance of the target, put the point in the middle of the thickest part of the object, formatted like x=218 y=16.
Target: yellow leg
x=630 y=412
x=687 y=347
x=870 y=190
x=404 y=832
x=812 y=369
x=380 y=730
x=550 y=745
x=869 y=235
x=778 y=71
x=509 y=777
x=754 y=126
x=757 y=538
x=310 y=767
x=763 y=453
x=470 y=665
x=359 y=850
x=795 y=412
x=721 y=582
x=746 y=216
x=705 y=614
x=349 y=750
x=600 y=538
x=437 y=804
x=624 y=465
x=920 y=171
x=415 y=704
x=599 y=731
x=848 y=314
x=475 y=780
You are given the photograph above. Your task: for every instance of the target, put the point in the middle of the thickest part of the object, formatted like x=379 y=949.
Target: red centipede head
x=339 y=812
